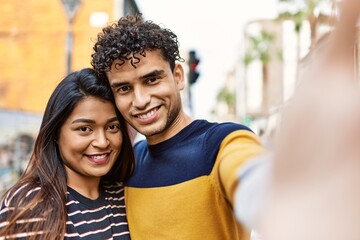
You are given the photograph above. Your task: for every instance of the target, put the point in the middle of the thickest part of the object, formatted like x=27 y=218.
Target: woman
x=72 y=185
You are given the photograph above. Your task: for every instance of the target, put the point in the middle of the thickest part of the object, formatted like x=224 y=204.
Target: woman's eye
x=114 y=128
x=84 y=129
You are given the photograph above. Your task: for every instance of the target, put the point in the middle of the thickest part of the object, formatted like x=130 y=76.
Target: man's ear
x=179 y=76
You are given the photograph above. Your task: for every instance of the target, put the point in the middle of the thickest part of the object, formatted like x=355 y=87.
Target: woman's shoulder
x=18 y=194
x=16 y=198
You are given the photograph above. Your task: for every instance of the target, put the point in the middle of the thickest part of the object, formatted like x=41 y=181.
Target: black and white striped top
x=102 y=218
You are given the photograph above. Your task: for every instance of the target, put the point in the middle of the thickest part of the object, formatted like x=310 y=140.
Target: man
x=187 y=170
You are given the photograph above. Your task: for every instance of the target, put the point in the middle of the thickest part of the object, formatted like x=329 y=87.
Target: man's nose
x=141 y=98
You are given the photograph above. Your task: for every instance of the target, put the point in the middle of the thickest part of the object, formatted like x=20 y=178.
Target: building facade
x=33 y=46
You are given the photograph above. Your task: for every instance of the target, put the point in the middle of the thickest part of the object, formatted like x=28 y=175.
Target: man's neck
x=179 y=124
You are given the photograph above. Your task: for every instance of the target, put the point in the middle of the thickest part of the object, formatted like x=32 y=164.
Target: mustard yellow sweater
x=183 y=188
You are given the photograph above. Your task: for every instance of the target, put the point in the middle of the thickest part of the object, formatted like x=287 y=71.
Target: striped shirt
x=102 y=218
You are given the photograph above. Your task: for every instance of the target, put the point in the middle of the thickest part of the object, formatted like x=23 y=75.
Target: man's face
x=148 y=96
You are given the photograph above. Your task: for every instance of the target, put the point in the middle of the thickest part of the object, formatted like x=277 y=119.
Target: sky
x=214 y=30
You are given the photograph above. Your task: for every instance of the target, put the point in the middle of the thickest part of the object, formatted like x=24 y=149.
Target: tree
x=228 y=97
x=262 y=48
x=307 y=10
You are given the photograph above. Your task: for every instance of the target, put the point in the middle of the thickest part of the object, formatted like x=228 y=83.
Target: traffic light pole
x=193 y=75
x=190 y=100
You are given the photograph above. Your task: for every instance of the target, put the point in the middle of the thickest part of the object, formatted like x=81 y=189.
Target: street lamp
x=71 y=8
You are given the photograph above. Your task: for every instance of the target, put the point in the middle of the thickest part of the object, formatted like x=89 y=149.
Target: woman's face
x=90 y=141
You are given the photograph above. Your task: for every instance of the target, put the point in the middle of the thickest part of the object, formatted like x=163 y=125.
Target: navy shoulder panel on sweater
x=189 y=154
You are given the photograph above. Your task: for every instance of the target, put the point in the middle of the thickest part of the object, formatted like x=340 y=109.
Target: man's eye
x=152 y=79
x=123 y=89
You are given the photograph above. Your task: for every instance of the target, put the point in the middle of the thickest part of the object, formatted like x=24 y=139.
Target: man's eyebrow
x=118 y=84
x=146 y=76
x=152 y=74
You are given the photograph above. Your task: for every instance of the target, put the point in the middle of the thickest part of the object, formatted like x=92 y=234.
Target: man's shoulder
x=225 y=128
x=200 y=129
x=214 y=133
x=219 y=126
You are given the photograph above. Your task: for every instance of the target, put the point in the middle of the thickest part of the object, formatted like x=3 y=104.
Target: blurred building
x=263 y=93
x=33 y=35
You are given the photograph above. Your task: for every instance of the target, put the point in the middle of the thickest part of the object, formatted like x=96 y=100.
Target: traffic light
x=193 y=63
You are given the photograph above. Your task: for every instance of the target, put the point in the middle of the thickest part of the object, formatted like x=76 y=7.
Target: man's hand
x=315 y=188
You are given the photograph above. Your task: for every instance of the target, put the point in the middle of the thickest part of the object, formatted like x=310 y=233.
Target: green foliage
x=261 y=48
x=248 y=58
x=247 y=121
x=279 y=55
x=301 y=14
x=227 y=96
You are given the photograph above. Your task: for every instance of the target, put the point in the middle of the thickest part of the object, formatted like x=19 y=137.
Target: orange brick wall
x=32 y=48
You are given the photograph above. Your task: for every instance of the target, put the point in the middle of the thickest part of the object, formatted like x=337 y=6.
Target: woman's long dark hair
x=46 y=169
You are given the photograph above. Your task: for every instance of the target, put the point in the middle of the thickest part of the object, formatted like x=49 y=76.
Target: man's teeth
x=147 y=115
x=99 y=156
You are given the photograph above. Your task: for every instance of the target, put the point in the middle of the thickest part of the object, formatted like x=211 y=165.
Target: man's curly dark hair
x=132 y=35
